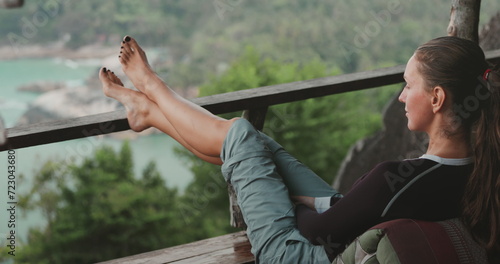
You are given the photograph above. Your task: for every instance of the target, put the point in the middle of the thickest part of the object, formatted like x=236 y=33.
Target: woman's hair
x=459 y=66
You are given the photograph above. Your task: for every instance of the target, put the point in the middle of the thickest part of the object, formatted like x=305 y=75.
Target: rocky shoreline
x=57 y=100
x=55 y=51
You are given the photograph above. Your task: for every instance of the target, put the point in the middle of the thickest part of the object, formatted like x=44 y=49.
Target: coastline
x=57 y=100
x=38 y=51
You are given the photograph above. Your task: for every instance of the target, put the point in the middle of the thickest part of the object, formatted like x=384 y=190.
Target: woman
x=450 y=93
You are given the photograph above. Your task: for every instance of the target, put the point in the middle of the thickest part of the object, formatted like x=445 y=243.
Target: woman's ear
x=438 y=98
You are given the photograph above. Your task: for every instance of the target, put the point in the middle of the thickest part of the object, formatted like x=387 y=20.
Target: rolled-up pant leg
x=264 y=199
x=299 y=179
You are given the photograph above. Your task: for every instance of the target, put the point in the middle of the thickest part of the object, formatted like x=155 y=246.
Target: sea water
x=13 y=103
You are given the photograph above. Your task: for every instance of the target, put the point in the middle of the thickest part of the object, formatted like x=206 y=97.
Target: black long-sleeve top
x=428 y=188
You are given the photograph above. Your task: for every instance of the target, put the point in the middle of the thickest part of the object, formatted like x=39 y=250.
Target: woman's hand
x=306 y=200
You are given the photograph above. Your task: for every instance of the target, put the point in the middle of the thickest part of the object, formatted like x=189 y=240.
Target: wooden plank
x=234 y=209
x=221 y=256
x=56 y=131
x=61 y=130
x=301 y=90
x=11 y=3
x=230 y=248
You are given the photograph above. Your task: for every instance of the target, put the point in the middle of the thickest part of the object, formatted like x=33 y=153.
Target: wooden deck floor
x=231 y=248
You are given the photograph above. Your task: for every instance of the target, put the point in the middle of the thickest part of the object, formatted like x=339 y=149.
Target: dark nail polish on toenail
x=127 y=38
x=104 y=69
x=121 y=47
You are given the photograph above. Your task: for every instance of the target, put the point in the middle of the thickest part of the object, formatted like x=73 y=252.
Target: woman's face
x=417 y=98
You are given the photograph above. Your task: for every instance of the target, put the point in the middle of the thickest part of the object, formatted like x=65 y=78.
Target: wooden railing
x=254 y=102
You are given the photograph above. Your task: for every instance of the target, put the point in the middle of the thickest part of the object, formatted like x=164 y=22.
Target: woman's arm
x=351 y=215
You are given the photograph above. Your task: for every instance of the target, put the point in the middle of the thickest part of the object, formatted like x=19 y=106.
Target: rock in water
x=68 y=103
x=41 y=87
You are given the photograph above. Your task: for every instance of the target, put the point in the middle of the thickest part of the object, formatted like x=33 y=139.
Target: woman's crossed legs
x=258 y=167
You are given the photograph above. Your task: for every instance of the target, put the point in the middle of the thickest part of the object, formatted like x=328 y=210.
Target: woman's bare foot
x=136 y=103
x=142 y=113
x=135 y=64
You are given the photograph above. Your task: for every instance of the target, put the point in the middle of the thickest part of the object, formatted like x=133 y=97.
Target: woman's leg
x=247 y=163
x=299 y=179
x=264 y=199
x=201 y=129
x=190 y=119
x=142 y=113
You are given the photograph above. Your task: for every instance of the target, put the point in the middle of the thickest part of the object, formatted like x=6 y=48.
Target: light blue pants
x=263 y=175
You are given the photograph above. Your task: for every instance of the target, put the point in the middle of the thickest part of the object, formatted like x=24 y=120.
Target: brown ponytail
x=482 y=194
x=459 y=66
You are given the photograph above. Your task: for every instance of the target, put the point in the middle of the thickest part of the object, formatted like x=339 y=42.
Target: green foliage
x=98 y=210
x=199 y=35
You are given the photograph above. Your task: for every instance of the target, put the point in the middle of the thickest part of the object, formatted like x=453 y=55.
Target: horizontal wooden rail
x=11 y=3
x=61 y=130
x=55 y=131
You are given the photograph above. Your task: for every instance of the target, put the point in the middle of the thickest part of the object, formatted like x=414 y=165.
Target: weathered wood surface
x=231 y=248
x=234 y=209
x=67 y=129
x=256 y=116
x=11 y=3
x=61 y=130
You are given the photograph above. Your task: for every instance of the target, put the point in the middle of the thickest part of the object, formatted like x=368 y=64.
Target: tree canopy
x=98 y=210
x=202 y=36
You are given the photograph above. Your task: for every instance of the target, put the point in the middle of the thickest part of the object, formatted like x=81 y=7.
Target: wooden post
x=235 y=210
x=3 y=133
x=11 y=3
x=464 y=19
x=256 y=116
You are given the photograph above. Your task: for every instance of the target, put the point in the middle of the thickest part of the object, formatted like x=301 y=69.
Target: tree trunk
x=464 y=19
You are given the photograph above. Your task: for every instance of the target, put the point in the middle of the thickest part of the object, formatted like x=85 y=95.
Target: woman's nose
x=402 y=96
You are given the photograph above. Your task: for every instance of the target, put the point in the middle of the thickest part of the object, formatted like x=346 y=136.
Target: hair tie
x=486 y=73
